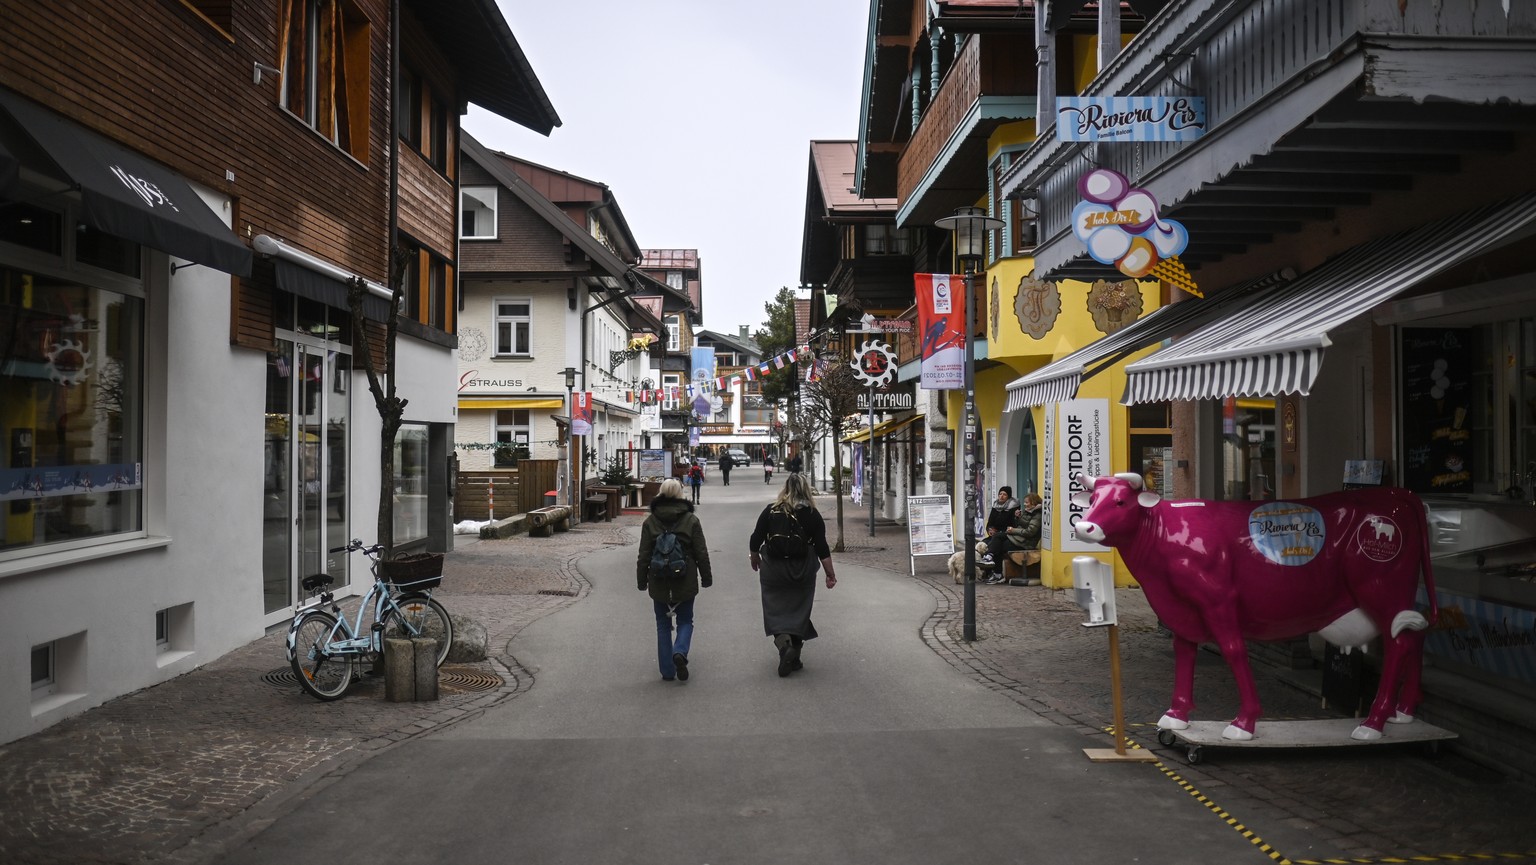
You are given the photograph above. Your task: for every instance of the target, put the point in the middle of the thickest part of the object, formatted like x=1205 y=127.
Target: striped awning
x=1059 y=380
x=1274 y=342
x=528 y=402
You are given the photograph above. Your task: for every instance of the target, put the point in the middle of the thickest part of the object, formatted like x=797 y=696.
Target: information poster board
x=1082 y=445
x=654 y=464
x=930 y=528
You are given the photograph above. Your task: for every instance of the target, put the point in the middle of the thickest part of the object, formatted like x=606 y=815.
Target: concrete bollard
x=410 y=669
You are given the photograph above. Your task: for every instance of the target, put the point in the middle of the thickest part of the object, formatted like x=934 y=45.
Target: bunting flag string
x=799 y=355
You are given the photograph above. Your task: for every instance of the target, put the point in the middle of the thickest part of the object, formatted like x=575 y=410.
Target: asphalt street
x=878 y=751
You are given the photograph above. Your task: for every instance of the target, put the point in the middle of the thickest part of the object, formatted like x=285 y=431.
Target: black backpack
x=786 y=537
x=669 y=561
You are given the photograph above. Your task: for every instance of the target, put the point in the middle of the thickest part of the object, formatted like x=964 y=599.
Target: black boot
x=781 y=642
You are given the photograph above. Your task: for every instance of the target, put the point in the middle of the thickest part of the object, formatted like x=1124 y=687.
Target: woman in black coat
x=787 y=547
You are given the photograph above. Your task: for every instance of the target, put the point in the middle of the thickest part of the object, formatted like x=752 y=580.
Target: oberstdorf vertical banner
x=941 y=324
x=581 y=413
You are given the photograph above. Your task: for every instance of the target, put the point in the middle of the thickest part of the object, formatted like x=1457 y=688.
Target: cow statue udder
x=1344 y=565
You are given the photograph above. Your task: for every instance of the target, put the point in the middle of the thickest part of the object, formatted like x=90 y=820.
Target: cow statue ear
x=1081 y=500
x=1147 y=499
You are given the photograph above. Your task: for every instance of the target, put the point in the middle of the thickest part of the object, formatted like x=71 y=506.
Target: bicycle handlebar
x=357 y=544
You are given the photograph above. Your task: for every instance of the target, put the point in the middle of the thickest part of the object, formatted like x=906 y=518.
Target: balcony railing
x=957 y=93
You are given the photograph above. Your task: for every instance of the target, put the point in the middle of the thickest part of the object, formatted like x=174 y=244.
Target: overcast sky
x=698 y=114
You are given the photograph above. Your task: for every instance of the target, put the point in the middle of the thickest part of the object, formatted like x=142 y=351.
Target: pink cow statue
x=1344 y=565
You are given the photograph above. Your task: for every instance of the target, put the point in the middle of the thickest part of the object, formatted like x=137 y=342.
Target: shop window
x=1246 y=467
x=106 y=251
x=323 y=58
x=477 y=213
x=411 y=477
x=72 y=385
x=1150 y=429
x=513 y=327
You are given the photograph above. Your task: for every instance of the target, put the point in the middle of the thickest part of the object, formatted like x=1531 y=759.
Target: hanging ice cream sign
x=1130 y=118
x=1119 y=225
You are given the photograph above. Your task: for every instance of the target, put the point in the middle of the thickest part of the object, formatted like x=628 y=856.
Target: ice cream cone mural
x=1119 y=225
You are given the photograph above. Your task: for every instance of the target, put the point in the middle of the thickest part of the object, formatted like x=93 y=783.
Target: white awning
x=1059 y=380
x=1274 y=343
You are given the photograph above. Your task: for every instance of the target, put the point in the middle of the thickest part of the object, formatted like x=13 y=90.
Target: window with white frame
x=477 y=213
x=675 y=279
x=671 y=400
x=674 y=334
x=514 y=324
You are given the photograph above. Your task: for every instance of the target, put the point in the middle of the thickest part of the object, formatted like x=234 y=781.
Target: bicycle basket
x=413 y=573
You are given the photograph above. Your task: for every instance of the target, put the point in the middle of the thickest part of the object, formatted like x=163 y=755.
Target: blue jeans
x=665 y=644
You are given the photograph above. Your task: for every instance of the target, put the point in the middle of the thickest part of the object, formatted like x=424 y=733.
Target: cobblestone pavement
x=160 y=775
x=176 y=772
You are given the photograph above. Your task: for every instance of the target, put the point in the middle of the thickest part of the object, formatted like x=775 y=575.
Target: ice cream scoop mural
x=1119 y=225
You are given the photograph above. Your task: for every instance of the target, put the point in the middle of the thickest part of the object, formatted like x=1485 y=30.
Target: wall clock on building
x=1037 y=304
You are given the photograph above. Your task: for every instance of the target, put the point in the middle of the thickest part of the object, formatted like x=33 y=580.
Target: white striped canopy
x=1273 y=343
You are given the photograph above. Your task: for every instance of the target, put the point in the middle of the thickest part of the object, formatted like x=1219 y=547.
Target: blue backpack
x=669 y=561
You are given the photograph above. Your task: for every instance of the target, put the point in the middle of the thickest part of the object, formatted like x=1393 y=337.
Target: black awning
x=126 y=194
x=300 y=280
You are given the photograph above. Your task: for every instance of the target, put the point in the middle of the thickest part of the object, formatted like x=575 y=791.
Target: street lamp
x=970 y=225
x=570 y=444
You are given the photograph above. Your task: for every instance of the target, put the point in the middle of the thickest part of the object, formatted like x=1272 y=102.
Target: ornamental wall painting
x=1037 y=305
x=996 y=293
x=1114 y=304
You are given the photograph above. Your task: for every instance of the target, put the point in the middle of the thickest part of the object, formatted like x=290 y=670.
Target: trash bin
x=549 y=499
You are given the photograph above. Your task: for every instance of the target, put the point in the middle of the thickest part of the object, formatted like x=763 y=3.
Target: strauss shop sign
x=895 y=398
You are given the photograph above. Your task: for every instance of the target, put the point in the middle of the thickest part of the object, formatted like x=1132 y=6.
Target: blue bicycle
x=324 y=648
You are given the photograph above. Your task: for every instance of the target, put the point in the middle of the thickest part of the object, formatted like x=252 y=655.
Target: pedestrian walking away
x=795 y=465
x=695 y=480
x=726 y=464
x=787 y=547
x=672 y=566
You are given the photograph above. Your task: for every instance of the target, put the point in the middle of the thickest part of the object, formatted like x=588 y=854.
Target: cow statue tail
x=1429 y=573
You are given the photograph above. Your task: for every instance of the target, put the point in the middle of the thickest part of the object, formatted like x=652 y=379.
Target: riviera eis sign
x=1129 y=118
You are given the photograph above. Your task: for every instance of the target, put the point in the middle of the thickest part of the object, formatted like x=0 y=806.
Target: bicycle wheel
x=324 y=676
x=424 y=617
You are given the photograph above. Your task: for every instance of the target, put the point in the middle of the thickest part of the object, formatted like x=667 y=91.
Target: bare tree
x=829 y=403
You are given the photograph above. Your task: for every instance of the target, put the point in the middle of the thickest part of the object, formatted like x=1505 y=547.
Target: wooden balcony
x=991 y=82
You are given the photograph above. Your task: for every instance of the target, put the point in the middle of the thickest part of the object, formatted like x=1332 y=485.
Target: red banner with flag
x=941 y=329
x=581 y=413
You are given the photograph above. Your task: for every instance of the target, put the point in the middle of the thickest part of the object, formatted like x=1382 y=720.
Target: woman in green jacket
x=673 y=594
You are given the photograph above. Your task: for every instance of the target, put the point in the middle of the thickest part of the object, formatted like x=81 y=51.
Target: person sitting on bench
x=1024 y=534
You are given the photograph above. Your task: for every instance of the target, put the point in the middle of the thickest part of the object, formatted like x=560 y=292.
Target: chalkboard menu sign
x=1437 y=401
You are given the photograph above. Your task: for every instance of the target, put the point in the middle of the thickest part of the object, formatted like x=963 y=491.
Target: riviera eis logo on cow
x=1287 y=533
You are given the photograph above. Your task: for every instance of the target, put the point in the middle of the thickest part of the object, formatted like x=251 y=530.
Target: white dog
x=957 y=562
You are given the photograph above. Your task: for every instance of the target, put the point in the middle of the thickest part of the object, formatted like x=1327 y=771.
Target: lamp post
x=570 y=444
x=969 y=226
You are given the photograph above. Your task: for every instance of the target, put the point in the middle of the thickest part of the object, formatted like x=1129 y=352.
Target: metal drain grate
x=460 y=680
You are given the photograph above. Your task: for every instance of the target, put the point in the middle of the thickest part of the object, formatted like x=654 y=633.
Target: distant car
x=739 y=457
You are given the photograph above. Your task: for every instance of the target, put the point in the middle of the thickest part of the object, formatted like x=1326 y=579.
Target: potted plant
x=507 y=454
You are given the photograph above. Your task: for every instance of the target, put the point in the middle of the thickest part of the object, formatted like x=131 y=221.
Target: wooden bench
x=595 y=508
x=1014 y=567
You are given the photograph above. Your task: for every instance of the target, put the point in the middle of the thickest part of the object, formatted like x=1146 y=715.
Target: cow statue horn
x=1131 y=478
x=1086 y=481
